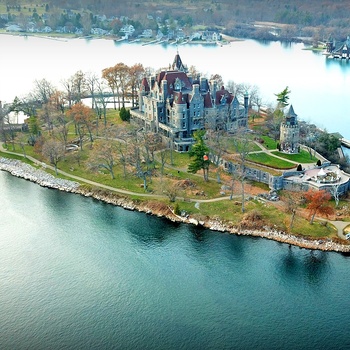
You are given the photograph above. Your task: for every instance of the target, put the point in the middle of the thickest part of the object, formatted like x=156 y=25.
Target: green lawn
x=231 y=147
x=271 y=161
x=269 y=143
x=302 y=157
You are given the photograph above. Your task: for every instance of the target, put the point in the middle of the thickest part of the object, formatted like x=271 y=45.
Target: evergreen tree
x=283 y=97
x=199 y=152
x=124 y=114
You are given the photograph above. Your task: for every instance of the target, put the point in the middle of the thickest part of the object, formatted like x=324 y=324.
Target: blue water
x=79 y=274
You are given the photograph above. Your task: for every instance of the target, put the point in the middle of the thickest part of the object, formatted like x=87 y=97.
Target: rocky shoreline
x=44 y=179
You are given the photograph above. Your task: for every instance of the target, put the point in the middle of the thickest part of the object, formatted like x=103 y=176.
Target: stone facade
x=174 y=104
x=289 y=132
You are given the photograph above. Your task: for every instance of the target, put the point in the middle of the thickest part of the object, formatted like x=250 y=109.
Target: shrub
x=124 y=114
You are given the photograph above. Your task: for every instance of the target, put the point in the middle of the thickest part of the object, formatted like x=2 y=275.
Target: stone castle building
x=289 y=132
x=175 y=104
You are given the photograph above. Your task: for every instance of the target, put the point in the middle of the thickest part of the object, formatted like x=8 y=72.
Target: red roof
x=170 y=77
x=223 y=93
x=207 y=101
x=144 y=85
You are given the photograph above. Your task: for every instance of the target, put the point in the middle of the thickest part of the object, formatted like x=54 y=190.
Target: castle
x=174 y=104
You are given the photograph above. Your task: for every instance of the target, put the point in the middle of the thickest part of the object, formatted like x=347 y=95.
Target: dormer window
x=223 y=100
x=179 y=84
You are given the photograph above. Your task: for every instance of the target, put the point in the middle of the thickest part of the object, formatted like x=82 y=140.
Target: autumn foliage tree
x=83 y=118
x=317 y=203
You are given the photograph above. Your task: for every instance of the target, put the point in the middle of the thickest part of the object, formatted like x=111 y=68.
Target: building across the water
x=338 y=50
x=175 y=104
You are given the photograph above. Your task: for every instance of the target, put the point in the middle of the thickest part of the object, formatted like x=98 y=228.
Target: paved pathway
x=340 y=225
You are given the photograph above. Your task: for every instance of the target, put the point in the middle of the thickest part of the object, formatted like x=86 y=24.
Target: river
x=319 y=86
x=80 y=274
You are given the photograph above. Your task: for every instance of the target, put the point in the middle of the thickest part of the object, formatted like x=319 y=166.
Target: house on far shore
x=174 y=104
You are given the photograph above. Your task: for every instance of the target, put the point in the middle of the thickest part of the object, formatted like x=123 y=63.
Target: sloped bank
x=42 y=178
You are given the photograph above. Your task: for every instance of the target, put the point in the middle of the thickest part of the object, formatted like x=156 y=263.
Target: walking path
x=340 y=225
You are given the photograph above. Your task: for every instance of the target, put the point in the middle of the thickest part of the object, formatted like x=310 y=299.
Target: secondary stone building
x=289 y=132
x=175 y=104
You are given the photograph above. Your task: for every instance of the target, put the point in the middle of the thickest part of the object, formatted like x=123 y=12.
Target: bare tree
x=335 y=193
x=104 y=155
x=91 y=86
x=242 y=147
x=43 y=90
x=54 y=150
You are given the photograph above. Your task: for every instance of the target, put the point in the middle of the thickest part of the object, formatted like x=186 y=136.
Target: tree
x=282 y=98
x=101 y=103
x=83 y=119
x=217 y=144
x=104 y=155
x=135 y=72
x=273 y=123
x=91 y=84
x=318 y=203
x=75 y=87
x=124 y=114
x=218 y=79
x=54 y=150
x=200 y=152
x=335 y=193
x=242 y=147
x=292 y=206
x=43 y=90
x=117 y=78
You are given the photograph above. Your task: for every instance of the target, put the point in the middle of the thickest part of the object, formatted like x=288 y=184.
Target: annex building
x=174 y=104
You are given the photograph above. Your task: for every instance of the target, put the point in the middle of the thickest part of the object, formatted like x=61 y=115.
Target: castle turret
x=164 y=88
x=289 y=132
x=144 y=90
x=246 y=103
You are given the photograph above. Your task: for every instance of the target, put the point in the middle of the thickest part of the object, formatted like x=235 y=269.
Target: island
x=261 y=176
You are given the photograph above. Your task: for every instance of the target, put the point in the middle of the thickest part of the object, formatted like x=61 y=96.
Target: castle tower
x=289 y=132
x=144 y=90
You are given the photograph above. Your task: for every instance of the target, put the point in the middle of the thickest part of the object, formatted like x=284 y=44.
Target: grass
x=232 y=147
x=269 y=142
x=302 y=157
x=271 y=161
x=231 y=212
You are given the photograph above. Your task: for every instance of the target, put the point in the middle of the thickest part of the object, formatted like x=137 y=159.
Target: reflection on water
x=312 y=266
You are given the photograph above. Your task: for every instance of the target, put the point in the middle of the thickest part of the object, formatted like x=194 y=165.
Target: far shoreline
x=68 y=36
x=44 y=179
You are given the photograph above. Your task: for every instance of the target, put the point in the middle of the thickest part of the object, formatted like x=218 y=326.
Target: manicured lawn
x=302 y=157
x=231 y=147
x=269 y=143
x=266 y=159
